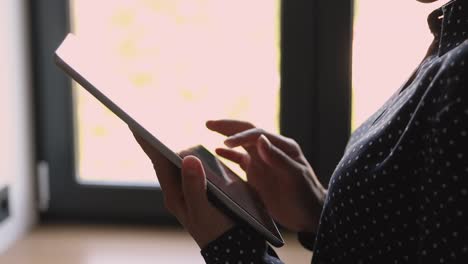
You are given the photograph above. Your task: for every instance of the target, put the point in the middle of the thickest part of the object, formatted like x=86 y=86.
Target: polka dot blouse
x=400 y=192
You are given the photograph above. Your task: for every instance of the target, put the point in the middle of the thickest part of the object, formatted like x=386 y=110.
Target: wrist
x=314 y=213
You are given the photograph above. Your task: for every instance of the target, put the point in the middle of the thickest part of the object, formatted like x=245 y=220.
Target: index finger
x=250 y=137
x=228 y=127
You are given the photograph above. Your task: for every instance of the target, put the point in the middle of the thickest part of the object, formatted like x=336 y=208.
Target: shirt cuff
x=237 y=244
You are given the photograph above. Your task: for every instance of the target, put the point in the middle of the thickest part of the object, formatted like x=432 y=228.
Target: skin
x=277 y=169
x=275 y=166
x=180 y=187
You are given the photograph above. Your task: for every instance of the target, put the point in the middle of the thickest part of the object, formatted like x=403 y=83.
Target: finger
x=237 y=157
x=194 y=185
x=228 y=127
x=162 y=165
x=171 y=186
x=275 y=157
x=150 y=151
x=249 y=138
x=231 y=155
x=147 y=148
x=168 y=176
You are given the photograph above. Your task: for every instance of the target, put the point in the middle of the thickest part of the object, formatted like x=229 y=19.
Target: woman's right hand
x=277 y=169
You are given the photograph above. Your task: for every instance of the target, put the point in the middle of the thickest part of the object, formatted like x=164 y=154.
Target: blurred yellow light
x=189 y=61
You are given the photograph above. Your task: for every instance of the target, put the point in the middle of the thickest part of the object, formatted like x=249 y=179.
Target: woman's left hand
x=185 y=197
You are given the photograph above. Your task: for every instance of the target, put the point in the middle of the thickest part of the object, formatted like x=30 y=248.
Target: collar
x=449 y=25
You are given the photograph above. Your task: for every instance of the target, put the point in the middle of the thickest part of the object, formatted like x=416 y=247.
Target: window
x=193 y=60
x=394 y=41
x=186 y=53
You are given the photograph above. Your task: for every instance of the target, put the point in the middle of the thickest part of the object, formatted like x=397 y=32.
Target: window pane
x=193 y=60
x=390 y=39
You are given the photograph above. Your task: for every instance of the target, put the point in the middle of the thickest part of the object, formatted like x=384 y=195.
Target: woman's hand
x=185 y=197
x=278 y=170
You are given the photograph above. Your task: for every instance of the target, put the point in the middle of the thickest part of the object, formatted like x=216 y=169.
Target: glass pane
x=192 y=60
x=390 y=39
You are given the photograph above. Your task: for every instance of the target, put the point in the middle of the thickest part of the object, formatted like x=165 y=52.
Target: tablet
x=91 y=68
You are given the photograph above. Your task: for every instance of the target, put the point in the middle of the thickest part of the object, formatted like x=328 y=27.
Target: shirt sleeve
x=239 y=245
x=443 y=214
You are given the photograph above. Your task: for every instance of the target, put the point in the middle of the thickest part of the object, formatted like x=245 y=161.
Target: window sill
x=93 y=244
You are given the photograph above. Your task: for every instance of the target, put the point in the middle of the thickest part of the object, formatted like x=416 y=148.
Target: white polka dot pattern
x=400 y=192
x=239 y=245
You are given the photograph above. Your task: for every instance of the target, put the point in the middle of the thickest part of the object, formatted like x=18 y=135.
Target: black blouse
x=400 y=192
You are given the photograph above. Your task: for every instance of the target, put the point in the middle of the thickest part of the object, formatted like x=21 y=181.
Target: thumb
x=194 y=183
x=275 y=157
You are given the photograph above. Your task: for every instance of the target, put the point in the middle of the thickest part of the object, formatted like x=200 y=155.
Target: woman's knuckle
x=258 y=131
x=292 y=142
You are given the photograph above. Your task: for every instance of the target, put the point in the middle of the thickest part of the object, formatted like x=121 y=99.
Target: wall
x=16 y=151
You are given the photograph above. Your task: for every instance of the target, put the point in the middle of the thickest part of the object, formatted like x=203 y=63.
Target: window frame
x=316 y=60
x=315 y=108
